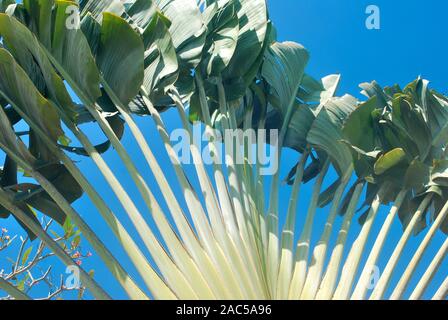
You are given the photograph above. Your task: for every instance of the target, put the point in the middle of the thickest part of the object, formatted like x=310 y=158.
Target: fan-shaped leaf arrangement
x=217 y=62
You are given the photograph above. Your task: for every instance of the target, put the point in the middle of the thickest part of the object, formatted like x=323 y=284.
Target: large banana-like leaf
x=96 y=8
x=283 y=69
x=312 y=96
x=253 y=26
x=398 y=130
x=142 y=12
x=326 y=131
x=17 y=88
x=143 y=56
x=16 y=37
x=222 y=37
x=187 y=29
x=120 y=57
x=161 y=65
x=70 y=48
x=313 y=91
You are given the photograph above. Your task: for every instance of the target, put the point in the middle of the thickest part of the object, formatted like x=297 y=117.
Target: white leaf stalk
x=430 y=272
x=146 y=271
x=131 y=288
x=442 y=292
x=171 y=272
x=352 y=262
x=238 y=186
x=320 y=250
x=303 y=245
x=189 y=268
x=236 y=251
x=362 y=287
x=328 y=284
x=213 y=258
x=407 y=274
x=287 y=252
x=385 y=278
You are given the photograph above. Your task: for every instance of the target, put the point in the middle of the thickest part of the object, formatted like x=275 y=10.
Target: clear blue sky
x=411 y=42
